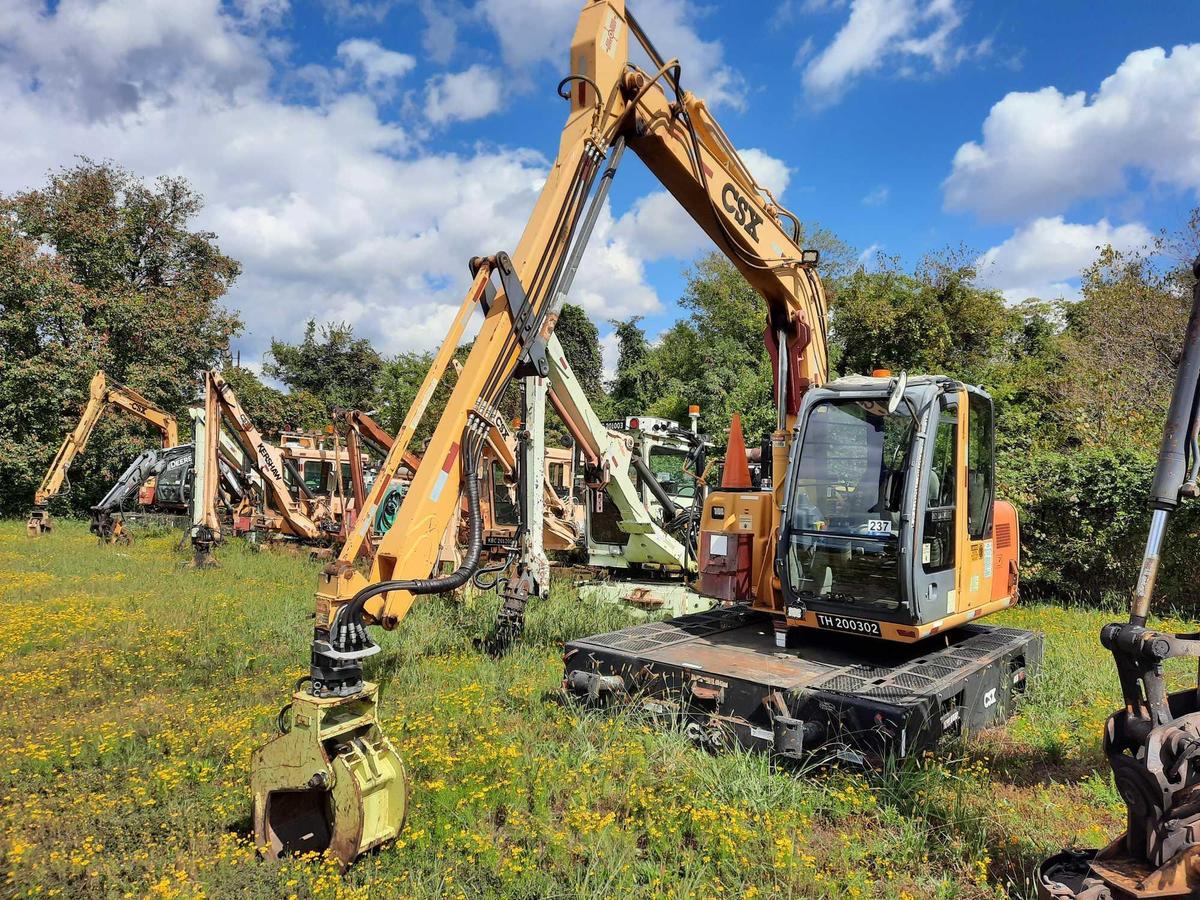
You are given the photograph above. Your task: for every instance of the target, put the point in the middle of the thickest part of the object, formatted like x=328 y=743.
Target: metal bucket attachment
x=39 y=522
x=331 y=781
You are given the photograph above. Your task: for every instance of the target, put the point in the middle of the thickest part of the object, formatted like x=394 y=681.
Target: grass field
x=135 y=691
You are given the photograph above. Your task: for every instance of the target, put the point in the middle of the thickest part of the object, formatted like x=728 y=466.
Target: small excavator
x=102 y=393
x=1153 y=741
x=304 y=517
x=158 y=479
x=849 y=578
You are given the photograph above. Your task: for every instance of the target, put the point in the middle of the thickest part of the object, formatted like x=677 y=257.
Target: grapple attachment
x=39 y=522
x=331 y=781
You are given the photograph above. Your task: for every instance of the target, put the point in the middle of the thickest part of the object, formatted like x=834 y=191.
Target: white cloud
x=609 y=354
x=462 y=96
x=535 y=31
x=358 y=10
x=334 y=212
x=381 y=68
x=910 y=36
x=877 y=196
x=657 y=227
x=867 y=258
x=440 y=38
x=768 y=171
x=1044 y=150
x=1045 y=257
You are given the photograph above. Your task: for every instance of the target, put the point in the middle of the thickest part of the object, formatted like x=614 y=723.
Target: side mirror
x=899 y=385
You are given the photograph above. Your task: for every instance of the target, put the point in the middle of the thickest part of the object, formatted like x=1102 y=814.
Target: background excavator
x=858 y=535
x=157 y=479
x=102 y=393
x=305 y=516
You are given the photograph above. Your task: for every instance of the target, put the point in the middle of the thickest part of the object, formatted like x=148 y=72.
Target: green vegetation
x=99 y=270
x=136 y=691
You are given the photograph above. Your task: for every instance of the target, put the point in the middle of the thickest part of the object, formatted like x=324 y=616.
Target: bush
x=1084 y=519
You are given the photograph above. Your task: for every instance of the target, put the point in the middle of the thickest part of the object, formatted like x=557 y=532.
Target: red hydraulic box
x=725 y=565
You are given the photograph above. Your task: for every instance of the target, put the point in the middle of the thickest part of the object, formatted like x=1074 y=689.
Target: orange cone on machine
x=736 y=475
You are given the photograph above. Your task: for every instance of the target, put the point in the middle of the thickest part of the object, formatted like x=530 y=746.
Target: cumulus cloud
x=334 y=211
x=1045 y=257
x=462 y=96
x=536 y=31
x=768 y=171
x=909 y=36
x=1042 y=151
x=381 y=68
x=657 y=227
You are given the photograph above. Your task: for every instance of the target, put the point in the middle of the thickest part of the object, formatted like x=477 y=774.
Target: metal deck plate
x=738 y=643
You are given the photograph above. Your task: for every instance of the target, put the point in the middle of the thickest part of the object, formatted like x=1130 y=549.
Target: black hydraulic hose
x=670 y=509
x=352 y=612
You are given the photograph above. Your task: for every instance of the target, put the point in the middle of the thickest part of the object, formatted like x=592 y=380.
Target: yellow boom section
x=101 y=394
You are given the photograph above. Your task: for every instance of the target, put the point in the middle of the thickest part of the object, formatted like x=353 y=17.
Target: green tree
x=330 y=363
x=99 y=270
x=716 y=357
x=580 y=341
x=636 y=379
x=398 y=382
x=936 y=319
x=1122 y=347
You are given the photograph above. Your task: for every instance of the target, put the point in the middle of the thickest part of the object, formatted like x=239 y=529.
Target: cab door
x=976 y=491
x=937 y=540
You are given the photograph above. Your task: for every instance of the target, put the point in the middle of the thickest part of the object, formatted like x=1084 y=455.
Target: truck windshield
x=844 y=520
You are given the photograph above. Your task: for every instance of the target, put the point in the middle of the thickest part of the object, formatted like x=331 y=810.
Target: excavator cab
x=891 y=528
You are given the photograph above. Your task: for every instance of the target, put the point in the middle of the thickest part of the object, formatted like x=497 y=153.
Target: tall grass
x=137 y=688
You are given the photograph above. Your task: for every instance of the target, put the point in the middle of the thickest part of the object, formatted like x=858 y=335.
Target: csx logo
x=741 y=210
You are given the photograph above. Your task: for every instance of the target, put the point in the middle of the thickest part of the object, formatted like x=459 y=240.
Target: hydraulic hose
x=347 y=623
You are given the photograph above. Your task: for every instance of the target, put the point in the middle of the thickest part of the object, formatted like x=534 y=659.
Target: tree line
x=99 y=269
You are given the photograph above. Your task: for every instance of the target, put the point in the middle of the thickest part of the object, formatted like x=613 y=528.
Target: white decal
x=987 y=559
x=718 y=544
x=609 y=32
x=989 y=699
x=879 y=526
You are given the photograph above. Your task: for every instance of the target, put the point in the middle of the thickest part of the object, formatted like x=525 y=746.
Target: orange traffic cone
x=736 y=475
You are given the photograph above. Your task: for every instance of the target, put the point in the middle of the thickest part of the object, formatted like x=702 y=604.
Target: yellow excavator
x=102 y=393
x=304 y=517
x=849 y=573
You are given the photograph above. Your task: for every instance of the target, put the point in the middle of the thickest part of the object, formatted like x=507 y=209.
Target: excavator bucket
x=39 y=522
x=330 y=782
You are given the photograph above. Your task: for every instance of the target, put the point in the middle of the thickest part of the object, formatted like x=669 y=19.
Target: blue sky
x=354 y=155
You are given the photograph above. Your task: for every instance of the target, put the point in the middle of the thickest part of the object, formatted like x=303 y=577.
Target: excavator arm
x=612 y=103
x=102 y=393
x=348 y=795
x=304 y=517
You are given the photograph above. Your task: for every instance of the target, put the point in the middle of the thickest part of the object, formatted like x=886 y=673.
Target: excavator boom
x=102 y=393
x=348 y=795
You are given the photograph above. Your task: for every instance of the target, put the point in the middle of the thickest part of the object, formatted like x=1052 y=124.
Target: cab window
x=981 y=469
x=937 y=550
